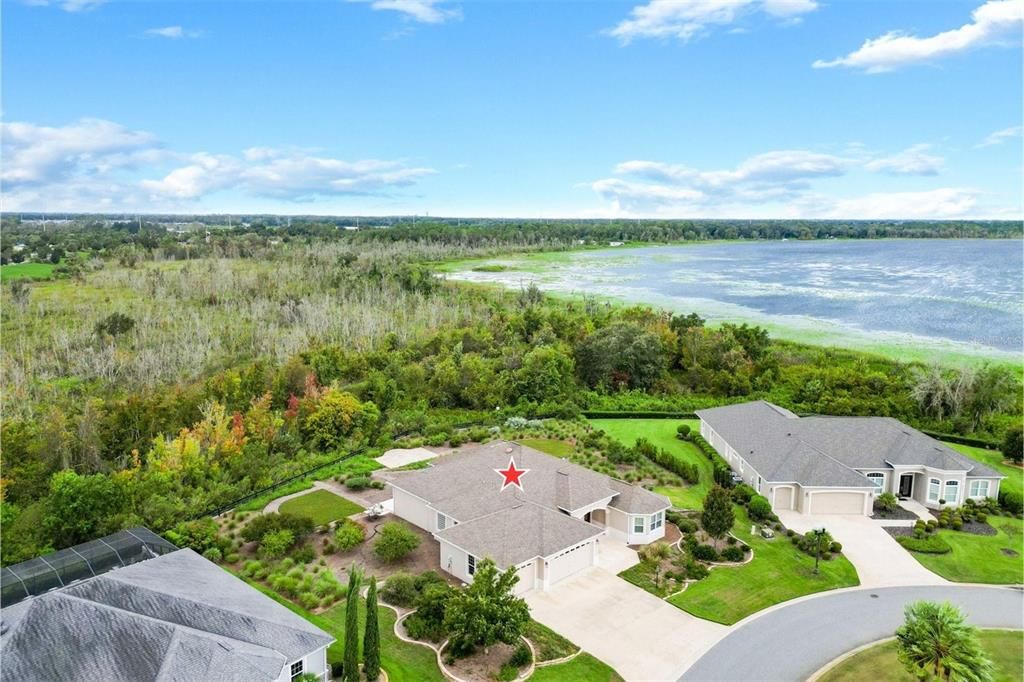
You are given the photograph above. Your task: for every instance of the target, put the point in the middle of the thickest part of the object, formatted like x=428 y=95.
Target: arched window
x=952 y=492
x=933 y=489
x=878 y=480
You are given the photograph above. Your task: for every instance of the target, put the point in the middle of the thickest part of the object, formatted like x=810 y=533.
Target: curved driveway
x=792 y=642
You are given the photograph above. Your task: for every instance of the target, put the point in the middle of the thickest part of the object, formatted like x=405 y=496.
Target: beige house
x=838 y=465
x=551 y=529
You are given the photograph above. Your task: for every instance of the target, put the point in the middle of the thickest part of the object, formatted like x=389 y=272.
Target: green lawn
x=26 y=271
x=1014 y=480
x=552 y=446
x=778 y=572
x=879 y=663
x=548 y=643
x=583 y=668
x=979 y=558
x=662 y=433
x=404 y=662
x=322 y=506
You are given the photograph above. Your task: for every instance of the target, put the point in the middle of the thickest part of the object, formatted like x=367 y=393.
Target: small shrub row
x=931 y=544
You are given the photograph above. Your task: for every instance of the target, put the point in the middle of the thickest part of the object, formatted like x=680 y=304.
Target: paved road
x=791 y=643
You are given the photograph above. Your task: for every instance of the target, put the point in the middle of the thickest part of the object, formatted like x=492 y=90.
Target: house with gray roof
x=548 y=530
x=838 y=465
x=173 y=617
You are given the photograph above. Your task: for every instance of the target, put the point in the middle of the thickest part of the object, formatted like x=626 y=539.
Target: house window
x=979 y=489
x=758 y=484
x=296 y=669
x=933 y=489
x=638 y=524
x=442 y=521
x=952 y=492
x=656 y=521
x=470 y=564
x=878 y=480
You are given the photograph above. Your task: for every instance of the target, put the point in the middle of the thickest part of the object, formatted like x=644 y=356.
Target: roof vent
x=224 y=646
x=3 y=627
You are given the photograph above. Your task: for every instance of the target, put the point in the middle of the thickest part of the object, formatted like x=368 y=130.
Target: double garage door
x=570 y=562
x=837 y=503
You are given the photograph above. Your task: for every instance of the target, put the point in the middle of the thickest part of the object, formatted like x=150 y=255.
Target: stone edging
x=710 y=565
x=555 y=661
x=820 y=672
x=438 y=649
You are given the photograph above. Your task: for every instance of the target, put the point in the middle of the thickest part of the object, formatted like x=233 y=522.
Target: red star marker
x=511 y=474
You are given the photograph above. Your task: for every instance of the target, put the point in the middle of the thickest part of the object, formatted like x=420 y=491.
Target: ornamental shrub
x=400 y=590
x=348 y=534
x=1011 y=501
x=275 y=543
x=732 y=553
x=213 y=554
x=760 y=508
x=683 y=431
x=887 y=502
x=743 y=493
x=836 y=547
x=705 y=553
x=933 y=544
x=358 y=483
x=521 y=656
x=395 y=542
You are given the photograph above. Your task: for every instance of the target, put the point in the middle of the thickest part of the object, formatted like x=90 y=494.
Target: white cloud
x=993 y=22
x=70 y=5
x=685 y=19
x=1000 y=136
x=422 y=11
x=914 y=160
x=99 y=165
x=173 y=32
x=783 y=184
x=944 y=202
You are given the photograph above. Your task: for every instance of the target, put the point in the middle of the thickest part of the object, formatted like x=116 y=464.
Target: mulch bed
x=423 y=558
x=972 y=527
x=897 y=514
x=482 y=667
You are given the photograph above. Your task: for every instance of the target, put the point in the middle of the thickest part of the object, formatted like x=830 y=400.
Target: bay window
x=933 y=489
x=952 y=492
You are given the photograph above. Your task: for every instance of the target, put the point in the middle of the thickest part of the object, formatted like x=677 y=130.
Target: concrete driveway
x=642 y=637
x=793 y=641
x=880 y=560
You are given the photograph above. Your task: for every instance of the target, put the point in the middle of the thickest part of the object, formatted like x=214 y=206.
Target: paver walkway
x=364 y=498
x=880 y=560
x=790 y=643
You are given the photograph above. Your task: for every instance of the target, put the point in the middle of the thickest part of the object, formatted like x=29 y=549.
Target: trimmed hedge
x=1011 y=501
x=722 y=471
x=931 y=544
x=963 y=440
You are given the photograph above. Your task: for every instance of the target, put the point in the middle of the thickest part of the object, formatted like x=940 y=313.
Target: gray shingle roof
x=519 y=533
x=174 y=617
x=512 y=526
x=825 y=450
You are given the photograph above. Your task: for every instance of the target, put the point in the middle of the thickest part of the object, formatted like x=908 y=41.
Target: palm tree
x=934 y=638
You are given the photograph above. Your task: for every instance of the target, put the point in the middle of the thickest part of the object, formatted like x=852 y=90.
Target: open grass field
x=322 y=506
x=552 y=446
x=879 y=663
x=981 y=558
x=1014 y=480
x=662 y=433
x=583 y=668
x=403 y=662
x=779 y=572
x=26 y=271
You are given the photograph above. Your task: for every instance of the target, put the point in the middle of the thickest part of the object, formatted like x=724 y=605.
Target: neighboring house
x=838 y=465
x=548 y=531
x=171 y=617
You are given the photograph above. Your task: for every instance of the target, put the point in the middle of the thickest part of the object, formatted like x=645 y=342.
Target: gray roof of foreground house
x=519 y=533
x=173 y=617
x=825 y=451
x=530 y=522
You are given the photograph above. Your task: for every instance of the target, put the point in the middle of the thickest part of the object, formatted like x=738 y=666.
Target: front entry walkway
x=880 y=560
x=642 y=637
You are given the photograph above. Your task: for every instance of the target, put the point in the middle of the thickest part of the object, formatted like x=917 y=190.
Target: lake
x=925 y=299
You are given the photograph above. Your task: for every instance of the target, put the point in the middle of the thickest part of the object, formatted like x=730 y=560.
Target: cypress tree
x=371 y=636
x=355 y=578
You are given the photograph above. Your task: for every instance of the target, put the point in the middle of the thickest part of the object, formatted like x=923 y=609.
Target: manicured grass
x=583 y=668
x=1014 y=480
x=778 y=572
x=662 y=433
x=548 y=643
x=322 y=506
x=26 y=271
x=879 y=663
x=979 y=558
x=643 y=578
x=404 y=662
x=552 y=446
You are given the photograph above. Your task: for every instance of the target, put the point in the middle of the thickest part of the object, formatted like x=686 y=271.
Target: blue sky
x=718 y=108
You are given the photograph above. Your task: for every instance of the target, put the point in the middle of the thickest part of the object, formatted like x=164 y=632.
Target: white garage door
x=570 y=562
x=526 y=574
x=783 y=498
x=837 y=503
